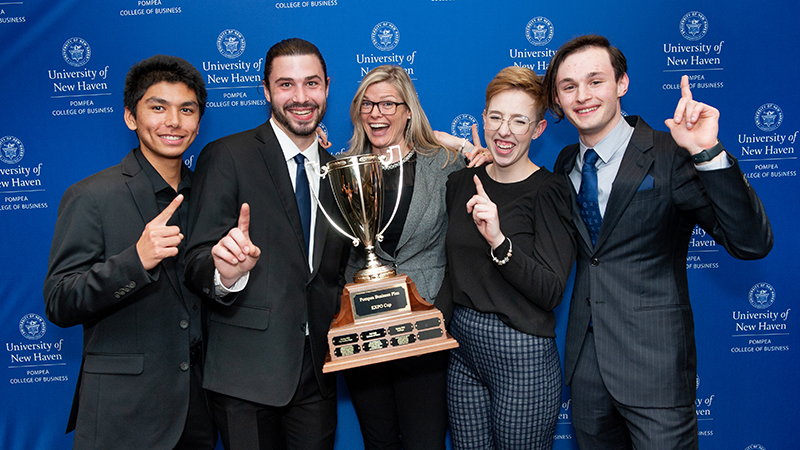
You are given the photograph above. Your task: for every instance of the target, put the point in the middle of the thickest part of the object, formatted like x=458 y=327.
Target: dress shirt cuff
x=222 y=291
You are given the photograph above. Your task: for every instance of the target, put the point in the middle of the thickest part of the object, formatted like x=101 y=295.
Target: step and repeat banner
x=62 y=67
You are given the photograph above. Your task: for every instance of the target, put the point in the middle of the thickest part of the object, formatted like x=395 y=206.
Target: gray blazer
x=420 y=251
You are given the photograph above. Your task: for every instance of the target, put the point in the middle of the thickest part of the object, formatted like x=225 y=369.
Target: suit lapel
x=278 y=172
x=142 y=192
x=565 y=167
x=632 y=170
x=321 y=225
x=420 y=199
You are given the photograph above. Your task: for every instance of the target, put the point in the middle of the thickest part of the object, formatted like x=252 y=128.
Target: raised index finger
x=686 y=92
x=244 y=220
x=167 y=213
x=476 y=139
x=479 y=187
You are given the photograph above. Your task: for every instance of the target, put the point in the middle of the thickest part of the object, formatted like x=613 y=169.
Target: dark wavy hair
x=618 y=62
x=160 y=68
x=292 y=47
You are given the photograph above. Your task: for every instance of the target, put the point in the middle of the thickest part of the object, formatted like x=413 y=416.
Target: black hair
x=160 y=68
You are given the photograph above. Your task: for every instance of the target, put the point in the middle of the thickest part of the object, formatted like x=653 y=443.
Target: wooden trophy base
x=382 y=321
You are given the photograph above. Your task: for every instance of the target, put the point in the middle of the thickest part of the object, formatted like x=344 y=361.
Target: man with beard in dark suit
x=270 y=266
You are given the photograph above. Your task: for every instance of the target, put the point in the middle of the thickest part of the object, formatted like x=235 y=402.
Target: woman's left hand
x=476 y=154
x=484 y=214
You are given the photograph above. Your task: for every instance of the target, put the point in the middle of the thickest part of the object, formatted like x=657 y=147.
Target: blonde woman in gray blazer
x=402 y=403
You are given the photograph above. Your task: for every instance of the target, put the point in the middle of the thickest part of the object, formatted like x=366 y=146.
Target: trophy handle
x=322 y=173
x=385 y=162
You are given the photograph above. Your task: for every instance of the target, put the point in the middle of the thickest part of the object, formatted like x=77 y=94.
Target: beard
x=299 y=129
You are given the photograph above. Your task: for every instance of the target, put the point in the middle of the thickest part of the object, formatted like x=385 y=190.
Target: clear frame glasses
x=516 y=124
x=386 y=108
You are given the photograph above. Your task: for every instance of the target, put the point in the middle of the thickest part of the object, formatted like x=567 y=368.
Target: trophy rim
x=348 y=161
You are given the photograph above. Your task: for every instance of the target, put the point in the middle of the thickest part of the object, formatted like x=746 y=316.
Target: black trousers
x=308 y=422
x=199 y=433
x=402 y=403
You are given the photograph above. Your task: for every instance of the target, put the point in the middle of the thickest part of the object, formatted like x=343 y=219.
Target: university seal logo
x=694 y=26
x=769 y=117
x=231 y=44
x=11 y=150
x=539 y=31
x=761 y=296
x=385 y=36
x=32 y=326
x=76 y=52
x=462 y=126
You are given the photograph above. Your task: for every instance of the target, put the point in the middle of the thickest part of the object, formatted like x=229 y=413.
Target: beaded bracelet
x=503 y=261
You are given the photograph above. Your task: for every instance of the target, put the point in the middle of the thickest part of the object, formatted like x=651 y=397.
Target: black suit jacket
x=633 y=283
x=133 y=389
x=256 y=337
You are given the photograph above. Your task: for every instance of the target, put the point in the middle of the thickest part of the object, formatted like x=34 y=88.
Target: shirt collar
x=158 y=182
x=609 y=147
x=290 y=149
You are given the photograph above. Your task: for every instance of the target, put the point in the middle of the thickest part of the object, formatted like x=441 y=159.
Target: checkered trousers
x=503 y=386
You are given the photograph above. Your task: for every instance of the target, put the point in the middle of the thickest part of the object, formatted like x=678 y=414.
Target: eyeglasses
x=516 y=124
x=385 y=108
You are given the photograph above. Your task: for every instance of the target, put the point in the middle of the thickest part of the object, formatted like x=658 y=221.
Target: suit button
x=184 y=324
x=303 y=328
x=132 y=284
x=206 y=291
x=116 y=294
x=126 y=289
x=184 y=366
x=594 y=261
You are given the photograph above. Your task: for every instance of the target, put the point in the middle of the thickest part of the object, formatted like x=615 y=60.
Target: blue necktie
x=587 y=197
x=303 y=195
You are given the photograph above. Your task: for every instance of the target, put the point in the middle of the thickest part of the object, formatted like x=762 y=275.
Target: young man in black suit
x=270 y=266
x=116 y=267
x=638 y=193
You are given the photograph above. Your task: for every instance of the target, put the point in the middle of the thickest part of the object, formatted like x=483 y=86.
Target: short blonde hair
x=522 y=79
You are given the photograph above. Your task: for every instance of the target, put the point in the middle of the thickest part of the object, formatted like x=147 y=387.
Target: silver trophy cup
x=357 y=184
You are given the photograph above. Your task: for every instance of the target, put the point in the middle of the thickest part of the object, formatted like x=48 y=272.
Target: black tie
x=303 y=196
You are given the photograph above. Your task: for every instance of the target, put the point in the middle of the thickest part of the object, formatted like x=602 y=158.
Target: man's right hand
x=159 y=240
x=235 y=254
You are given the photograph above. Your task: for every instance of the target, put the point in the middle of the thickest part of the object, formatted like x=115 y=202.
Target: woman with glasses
x=402 y=403
x=510 y=248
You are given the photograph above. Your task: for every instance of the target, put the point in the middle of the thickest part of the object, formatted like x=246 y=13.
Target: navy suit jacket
x=256 y=337
x=133 y=388
x=632 y=283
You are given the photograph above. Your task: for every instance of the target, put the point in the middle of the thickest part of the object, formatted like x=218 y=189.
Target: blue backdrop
x=62 y=67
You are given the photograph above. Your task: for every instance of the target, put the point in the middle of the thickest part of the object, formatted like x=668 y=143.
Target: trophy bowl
x=357 y=184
